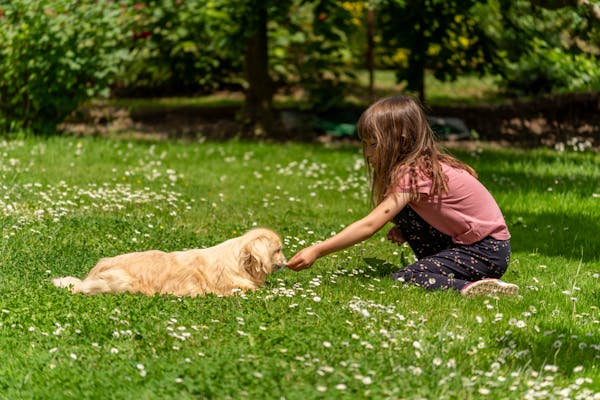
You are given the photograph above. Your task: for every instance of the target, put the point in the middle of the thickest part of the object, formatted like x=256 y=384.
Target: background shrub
x=177 y=49
x=55 y=55
x=551 y=70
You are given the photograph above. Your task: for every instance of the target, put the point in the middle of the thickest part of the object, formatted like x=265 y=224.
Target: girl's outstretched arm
x=352 y=234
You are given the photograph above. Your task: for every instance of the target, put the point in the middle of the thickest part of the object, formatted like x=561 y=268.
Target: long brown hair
x=403 y=143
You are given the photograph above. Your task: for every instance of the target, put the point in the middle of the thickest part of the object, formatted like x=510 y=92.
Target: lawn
x=468 y=89
x=339 y=330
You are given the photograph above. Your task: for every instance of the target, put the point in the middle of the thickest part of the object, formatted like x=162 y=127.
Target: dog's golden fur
x=239 y=263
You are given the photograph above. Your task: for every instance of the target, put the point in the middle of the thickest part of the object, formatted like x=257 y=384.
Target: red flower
x=141 y=35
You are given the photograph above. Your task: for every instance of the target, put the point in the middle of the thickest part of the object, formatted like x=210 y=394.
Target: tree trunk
x=371 y=52
x=258 y=108
x=416 y=63
x=416 y=74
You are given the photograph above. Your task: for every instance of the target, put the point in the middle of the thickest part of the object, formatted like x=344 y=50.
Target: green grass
x=341 y=329
x=216 y=100
x=469 y=89
x=465 y=90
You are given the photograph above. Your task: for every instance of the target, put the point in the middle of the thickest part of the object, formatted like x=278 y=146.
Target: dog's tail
x=69 y=282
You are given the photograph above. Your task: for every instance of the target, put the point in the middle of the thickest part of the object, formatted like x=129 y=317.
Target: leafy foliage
x=54 y=55
x=57 y=54
x=196 y=45
x=310 y=50
x=180 y=47
x=550 y=70
x=540 y=50
x=443 y=36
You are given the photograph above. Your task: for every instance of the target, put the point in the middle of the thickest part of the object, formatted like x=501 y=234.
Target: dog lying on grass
x=241 y=263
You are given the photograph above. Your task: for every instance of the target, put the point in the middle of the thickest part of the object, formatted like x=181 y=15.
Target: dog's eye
x=277 y=251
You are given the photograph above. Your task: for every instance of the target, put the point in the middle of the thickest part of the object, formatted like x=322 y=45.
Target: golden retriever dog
x=241 y=263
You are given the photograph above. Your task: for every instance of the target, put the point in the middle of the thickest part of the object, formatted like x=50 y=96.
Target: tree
x=546 y=49
x=439 y=35
x=258 y=107
x=186 y=47
x=247 y=34
x=286 y=43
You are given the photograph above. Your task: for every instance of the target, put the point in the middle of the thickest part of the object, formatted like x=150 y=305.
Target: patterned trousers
x=443 y=264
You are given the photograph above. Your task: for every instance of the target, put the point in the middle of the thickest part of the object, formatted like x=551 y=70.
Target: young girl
x=438 y=206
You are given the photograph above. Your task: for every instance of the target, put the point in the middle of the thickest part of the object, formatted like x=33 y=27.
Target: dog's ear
x=255 y=255
x=250 y=263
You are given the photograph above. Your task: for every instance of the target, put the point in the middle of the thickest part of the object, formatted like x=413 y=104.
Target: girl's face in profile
x=369 y=147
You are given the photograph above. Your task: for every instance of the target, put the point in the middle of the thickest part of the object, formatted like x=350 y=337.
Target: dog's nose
x=280 y=266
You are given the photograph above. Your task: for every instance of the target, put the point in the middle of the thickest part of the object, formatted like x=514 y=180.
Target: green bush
x=540 y=49
x=194 y=46
x=309 y=50
x=55 y=54
x=175 y=51
x=551 y=70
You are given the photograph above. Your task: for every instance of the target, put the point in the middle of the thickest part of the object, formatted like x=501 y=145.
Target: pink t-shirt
x=467 y=213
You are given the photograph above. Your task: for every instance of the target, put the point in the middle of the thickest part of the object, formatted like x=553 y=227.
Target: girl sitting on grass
x=449 y=219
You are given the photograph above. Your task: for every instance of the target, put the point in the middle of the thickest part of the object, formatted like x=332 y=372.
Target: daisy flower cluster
x=26 y=203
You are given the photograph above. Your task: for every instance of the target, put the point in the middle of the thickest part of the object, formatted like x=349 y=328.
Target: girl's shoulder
x=415 y=176
x=452 y=171
x=418 y=178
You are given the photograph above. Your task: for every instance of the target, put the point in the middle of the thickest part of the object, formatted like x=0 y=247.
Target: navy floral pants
x=442 y=264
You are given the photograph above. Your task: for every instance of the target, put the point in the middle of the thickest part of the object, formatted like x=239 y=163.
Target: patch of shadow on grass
x=555 y=234
x=380 y=268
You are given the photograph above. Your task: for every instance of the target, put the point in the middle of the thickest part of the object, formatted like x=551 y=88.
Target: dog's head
x=261 y=253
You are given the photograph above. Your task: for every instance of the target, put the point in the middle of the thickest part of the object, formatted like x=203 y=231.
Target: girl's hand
x=303 y=259
x=395 y=235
